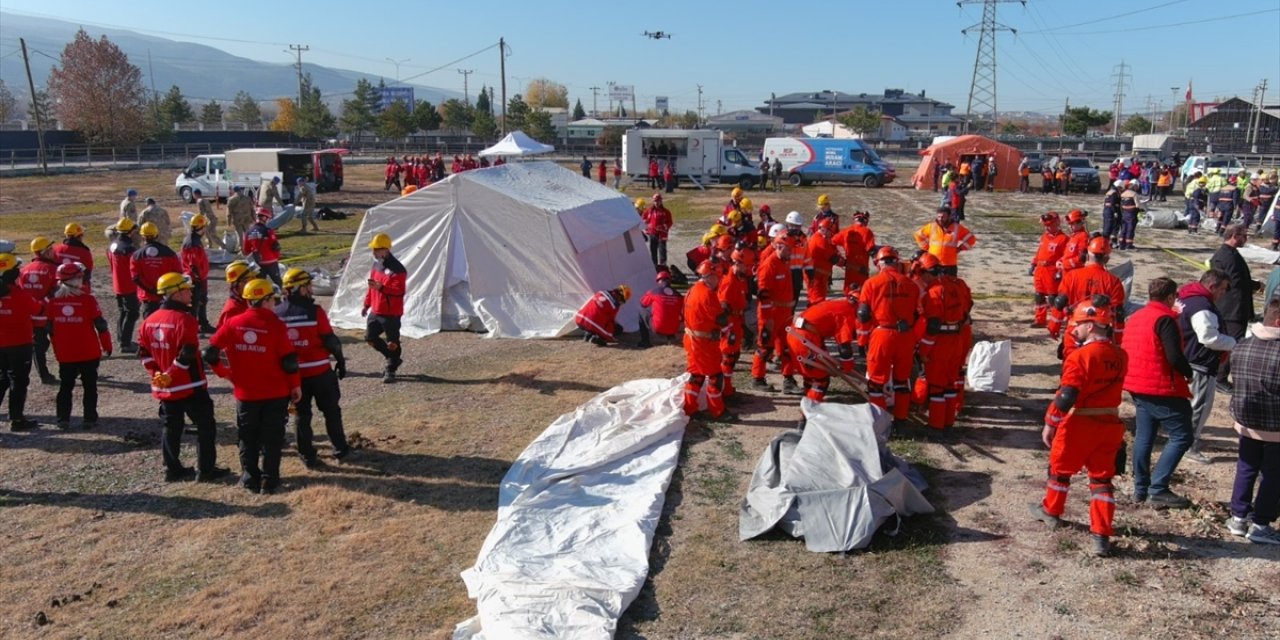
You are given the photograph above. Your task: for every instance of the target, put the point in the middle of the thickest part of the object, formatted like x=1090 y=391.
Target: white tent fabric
x=514 y=250
x=576 y=517
x=833 y=484
x=1258 y=255
x=828 y=129
x=517 y=144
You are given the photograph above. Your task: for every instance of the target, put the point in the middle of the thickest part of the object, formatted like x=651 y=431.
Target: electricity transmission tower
x=1121 y=77
x=982 y=89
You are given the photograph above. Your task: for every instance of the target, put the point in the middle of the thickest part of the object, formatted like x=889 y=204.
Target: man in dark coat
x=1236 y=306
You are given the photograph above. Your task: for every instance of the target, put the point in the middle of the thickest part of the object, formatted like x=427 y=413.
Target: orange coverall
x=1080 y=286
x=857 y=240
x=1073 y=256
x=822 y=257
x=1053 y=242
x=828 y=319
x=945 y=346
x=702 y=314
x=733 y=298
x=773 y=312
x=888 y=303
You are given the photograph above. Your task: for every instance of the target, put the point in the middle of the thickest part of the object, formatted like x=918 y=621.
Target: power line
x=450 y=63
x=1172 y=24
x=1108 y=18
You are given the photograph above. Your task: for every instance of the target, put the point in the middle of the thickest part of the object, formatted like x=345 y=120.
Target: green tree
x=175 y=108
x=8 y=104
x=517 y=112
x=1010 y=128
x=689 y=120
x=482 y=102
x=1077 y=120
x=578 y=112
x=359 y=114
x=539 y=126
x=1136 y=125
x=314 y=118
x=244 y=110
x=425 y=116
x=99 y=92
x=457 y=115
x=484 y=126
x=211 y=114
x=395 y=121
x=860 y=120
x=43 y=105
x=610 y=138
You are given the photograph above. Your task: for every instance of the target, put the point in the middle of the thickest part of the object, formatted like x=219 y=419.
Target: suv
x=1229 y=164
x=1084 y=176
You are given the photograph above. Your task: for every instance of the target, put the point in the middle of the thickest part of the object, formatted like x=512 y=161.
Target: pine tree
x=175 y=108
x=244 y=110
x=482 y=102
x=578 y=112
x=211 y=114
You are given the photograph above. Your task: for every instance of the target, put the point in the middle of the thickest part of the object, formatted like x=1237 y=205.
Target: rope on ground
x=1199 y=265
x=313 y=255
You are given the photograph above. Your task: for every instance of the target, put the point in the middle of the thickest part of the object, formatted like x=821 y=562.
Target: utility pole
x=1121 y=76
x=699 y=106
x=1173 y=104
x=502 y=57
x=594 y=92
x=719 y=106
x=982 y=88
x=1151 y=104
x=1257 y=121
x=397 y=63
x=466 y=76
x=299 y=48
x=44 y=165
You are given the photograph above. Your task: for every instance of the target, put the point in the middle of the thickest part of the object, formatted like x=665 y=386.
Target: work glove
x=341 y=369
x=161 y=380
x=364 y=312
x=1031 y=270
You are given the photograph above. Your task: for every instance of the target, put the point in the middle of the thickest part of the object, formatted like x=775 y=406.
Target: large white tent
x=513 y=250
x=517 y=143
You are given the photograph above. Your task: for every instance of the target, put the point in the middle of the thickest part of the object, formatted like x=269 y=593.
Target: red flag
x=1188 y=91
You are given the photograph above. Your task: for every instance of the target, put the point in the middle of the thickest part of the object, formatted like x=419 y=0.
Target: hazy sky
x=742 y=51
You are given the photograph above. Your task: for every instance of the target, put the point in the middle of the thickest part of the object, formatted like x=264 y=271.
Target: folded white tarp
x=833 y=484
x=1258 y=255
x=576 y=517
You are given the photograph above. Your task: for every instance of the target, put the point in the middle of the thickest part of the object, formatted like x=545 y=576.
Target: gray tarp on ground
x=833 y=484
x=1163 y=219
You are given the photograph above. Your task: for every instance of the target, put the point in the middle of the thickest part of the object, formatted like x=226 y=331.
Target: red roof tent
x=1007 y=160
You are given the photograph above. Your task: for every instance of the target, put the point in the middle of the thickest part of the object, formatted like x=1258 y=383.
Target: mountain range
x=202 y=72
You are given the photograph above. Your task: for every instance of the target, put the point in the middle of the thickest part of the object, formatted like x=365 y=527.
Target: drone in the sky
x=657 y=35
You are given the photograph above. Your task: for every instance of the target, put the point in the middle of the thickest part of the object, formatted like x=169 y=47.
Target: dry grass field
x=96 y=543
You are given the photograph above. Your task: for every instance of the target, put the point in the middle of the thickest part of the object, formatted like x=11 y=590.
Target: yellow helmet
x=237 y=269
x=626 y=292
x=258 y=289
x=735 y=217
x=199 y=221
x=824 y=200
x=640 y=203
x=761 y=241
x=736 y=193
x=296 y=277
x=746 y=205
x=73 y=230
x=172 y=282
x=8 y=261
x=125 y=225
x=40 y=243
x=149 y=230
x=717 y=230
x=380 y=241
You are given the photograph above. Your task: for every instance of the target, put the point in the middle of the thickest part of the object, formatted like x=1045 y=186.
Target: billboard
x=621 y=92
x=391 y=94
x=660 y=104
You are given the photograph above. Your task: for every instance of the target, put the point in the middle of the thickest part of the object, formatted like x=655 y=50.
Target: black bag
x=329 y=214
x=677 y=276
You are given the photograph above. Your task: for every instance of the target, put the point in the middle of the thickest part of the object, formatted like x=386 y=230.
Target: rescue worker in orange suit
x=1082 y=425
x=945 y=239
x=80 y=337
x=773 y=313
x=856 y=241
x=944 y=348
x=73 y=249
x=888 y=302
x=665 y=305
x=1079 y=286
x=17 y=333
x=262 y=365
x=657 y=224
x=1044 y=267
x=238 y=274
x=312 y=335
x=733 y=298
x=263 y=248
x=119 y=252
x=704 y=319
x=38 y=279
x=195 y=264
x=798 y=257
x=1074 y=256
x=148 y=263
x=833 y=319
x=823 y=257
x=384 y=305
x=169 y=347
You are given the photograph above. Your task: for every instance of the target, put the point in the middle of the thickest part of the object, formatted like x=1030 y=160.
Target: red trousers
x=775 y=318
x=1091 y=443
x=889 y=356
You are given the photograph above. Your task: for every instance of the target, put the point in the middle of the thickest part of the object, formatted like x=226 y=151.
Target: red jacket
x=667 y=304
x=598 y=315
x=77 y=329
x=150 y=262
x=261 y=243
x=389 y=300
x=18 y=311
x=255 y=342
x=657 y=221
x=119 y=254
x=74 y=250
x=393 y=171
x=1150 y=372
x=307 y=323
x=161 y=339
x=38 y=278
x=195 y=261
x=234 y=306
x=653 y=168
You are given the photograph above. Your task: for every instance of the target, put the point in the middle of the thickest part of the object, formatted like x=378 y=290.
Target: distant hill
x=202 y=72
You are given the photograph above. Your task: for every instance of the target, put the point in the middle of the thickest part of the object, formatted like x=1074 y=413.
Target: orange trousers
x=703 y=358
x=1090 y=443
x=776 y=319
x=816 y=380
x=889 y=356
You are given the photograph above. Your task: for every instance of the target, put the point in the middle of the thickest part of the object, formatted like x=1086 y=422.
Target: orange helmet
x=827 y=224
x=724 y=242
x=1100 y=246
x=928 y=262
x=1050 y=219
x=708 y=267
x=1076 y=215
x=1097 y=311
x=737 y=256
x=887 y=253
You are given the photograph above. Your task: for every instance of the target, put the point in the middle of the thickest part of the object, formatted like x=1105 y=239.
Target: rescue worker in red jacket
x=773 y=313
x=856 y=242
x=73 y=249
x=945 y=345
x=704 y=318
x=1079 y=286
x=148 y=263
x=238 y=274
x=313 y=337
x=735 y=197
x=195 y=264
x=392 y=174
x=733 y=298
x=1082 y=426
x=38 y=279
x=1074 y=256
x=262 y=365
x=169 y=347
x=657 y=224
x=263 y=248
x=822 y=259
x=119 y=254
x=80 y=337
x=1044 y=266
x=17 y=333
x=602 y=172
x=665 y=305
x=888 y=302
x=598 y=316
x=384 y=305
x=832 y=319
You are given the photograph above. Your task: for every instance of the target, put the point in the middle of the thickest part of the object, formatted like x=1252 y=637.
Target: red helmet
x=764 y=208
x=1076 y=215
x=862 y=216
x=928 y=262
x=69 y=270
x=1097 y=311
x=737 y=256
x=887 y=253
x=724 y=242
x=264 y=212
x=708 y=267
x=662 y=276
x=1100 y=246
x=1050 y=219
x=827 y=224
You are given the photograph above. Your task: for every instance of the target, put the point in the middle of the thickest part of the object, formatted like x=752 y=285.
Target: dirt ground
x=98 y=546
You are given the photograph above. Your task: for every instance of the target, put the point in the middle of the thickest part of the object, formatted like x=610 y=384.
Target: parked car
x=1229 y=165
x=1084 y=176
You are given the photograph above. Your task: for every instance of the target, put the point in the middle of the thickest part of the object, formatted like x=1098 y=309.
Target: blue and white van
x=809 y=160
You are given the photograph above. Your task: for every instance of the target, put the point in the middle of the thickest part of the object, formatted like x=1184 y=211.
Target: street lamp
x=397 y=63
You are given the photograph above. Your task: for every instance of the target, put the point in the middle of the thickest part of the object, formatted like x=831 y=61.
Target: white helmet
x=778 y=230
x=795 y=218
x=1118 y=183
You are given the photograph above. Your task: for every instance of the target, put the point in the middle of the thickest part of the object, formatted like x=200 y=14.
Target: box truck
x=215 y=174
x=700 y=156
x=809 y=160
